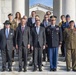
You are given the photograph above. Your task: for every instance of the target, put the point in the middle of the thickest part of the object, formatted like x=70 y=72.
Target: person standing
x=54 y=40
x=7 y=44
x=13 y=26
x=38 y=44
x=63 y=18
x=63 y=27
x=70 y=42
x=17 y=18
x=49 y=14
x=31 y=20
x=23 y=42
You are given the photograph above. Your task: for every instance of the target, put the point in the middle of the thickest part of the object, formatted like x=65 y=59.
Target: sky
x=44 y=2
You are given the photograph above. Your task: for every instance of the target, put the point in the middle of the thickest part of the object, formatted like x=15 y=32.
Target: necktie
x=37 y=30
x=7 y=33
x=23 y=29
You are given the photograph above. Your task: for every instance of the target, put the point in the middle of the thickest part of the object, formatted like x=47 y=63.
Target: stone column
x=27 y=8
x=69 y=8
x=57 y=9
x=18 y=6
x=0 y=11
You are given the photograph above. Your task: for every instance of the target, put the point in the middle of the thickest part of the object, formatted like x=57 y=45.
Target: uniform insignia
x=57 y=33
x=11 y=33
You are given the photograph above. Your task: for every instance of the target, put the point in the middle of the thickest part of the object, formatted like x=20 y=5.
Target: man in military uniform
x=13 y=23
x=13 y=26
x=70 y=41
x=54 y=40
x=63 y=27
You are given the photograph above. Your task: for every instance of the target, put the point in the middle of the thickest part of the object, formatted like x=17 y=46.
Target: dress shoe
x=25 y=69
x=3 y=70
x=54 y=70
x=35 y=69
x=20 y=69
x=10 y=69
x=51 y=69
x=68 y=70
x=40 y=69
x=74 y=70
x=12 y=60
x=31 y=64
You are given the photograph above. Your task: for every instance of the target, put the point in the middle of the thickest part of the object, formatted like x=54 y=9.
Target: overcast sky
x=45 y=2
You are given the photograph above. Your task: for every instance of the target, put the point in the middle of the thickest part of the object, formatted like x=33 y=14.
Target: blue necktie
x=7 y=33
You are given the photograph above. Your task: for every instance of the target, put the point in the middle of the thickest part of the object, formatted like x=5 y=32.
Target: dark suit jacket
x=4 y=42
x=29 y=23
x=41 y=38
x=53 y=36
x=22 y=37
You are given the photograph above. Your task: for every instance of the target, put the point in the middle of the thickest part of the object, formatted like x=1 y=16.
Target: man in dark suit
x=54 y=40
x=7 y=44
x=23 y=42
x=31 y=20
x=38 y=44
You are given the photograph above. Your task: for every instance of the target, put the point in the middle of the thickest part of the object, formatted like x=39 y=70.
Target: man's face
x=10 y=17
x=23 y=21
x=63 y=18
x=37 y=18
x=38 y=22
x=53 y=21
x=7 y=25
x=68 y=19
x=33 y=14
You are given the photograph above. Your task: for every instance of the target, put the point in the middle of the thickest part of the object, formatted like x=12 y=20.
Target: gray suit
x=6 y=46
x=38 y=41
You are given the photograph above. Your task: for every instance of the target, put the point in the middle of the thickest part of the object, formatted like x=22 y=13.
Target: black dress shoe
x=51 y=69
x=74 y=70
x=25 y=69
x=68 y=70
x=3 y=70
x=40 y=69
x=30 y=64
x=35 y=69
x=20 y=69
x=10 y=69
x=12 y=60
x=44 y=59
x=54 y=69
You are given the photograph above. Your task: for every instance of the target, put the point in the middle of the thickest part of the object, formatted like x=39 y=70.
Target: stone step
x=37 y=73
x=61 y=65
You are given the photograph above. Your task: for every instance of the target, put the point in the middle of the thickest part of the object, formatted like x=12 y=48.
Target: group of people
x=42 y=39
